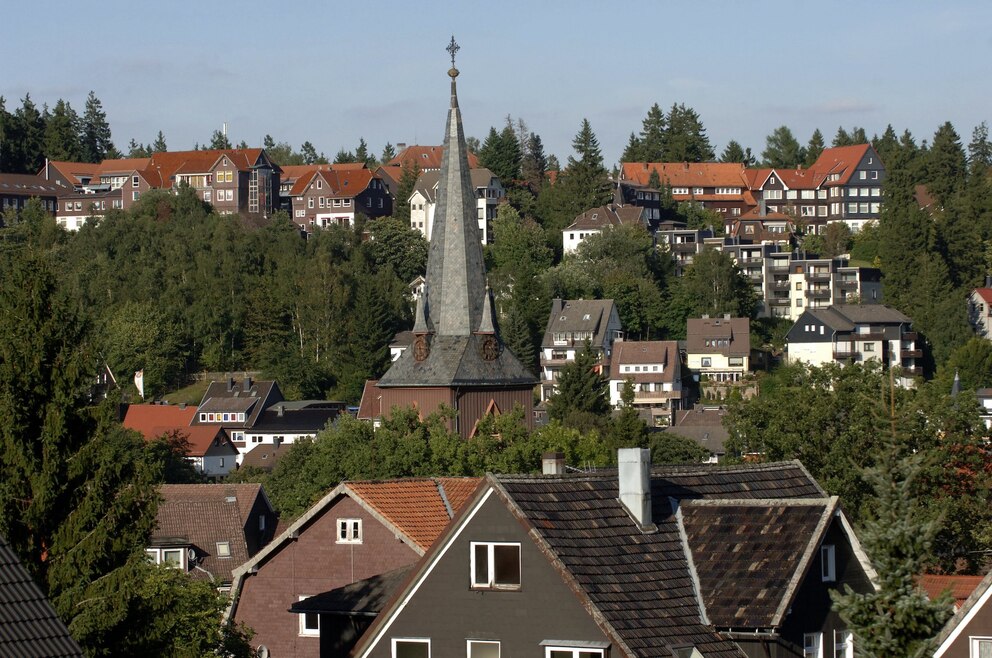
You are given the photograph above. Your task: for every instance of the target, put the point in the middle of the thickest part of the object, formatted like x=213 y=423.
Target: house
x=17 y=189
x=401 y=341
x=959 y=587
x=704 y=425
x=718 y=350
x=980 y=311
x=668 y=561
x=425 y=158
x=984 y=396
x=968 y=634
x=655 y=369
x=847 y=333
x=28 y=623
x=334 y=195
x=716 y=186
x=423 y=201
x=207 y=530
x=682 y=244
x=596 y=220
x=755 y=227
x=287 y=422
x=210 y=449
x=356 y=531
x=571 y=324
x=458 y=357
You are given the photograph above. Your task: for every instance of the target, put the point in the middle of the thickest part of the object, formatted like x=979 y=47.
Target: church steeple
x=455 y=269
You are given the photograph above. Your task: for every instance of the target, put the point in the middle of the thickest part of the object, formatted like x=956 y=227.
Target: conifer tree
x=581 y=388
x=814 y=148
x=651 y=146
x=842 y=138
x=28 y=137
x=219 y=140
x=62 y=134
x=362 y=153
x=632 y=152
x=733 y=152
x=886 y=144
x=388 y=153
x=782 y=149
x=586 y=179
x=159 y=145
x=533 y=164
x=946 y=164
x=685 y=139
x=96 y=139
x=979 y=149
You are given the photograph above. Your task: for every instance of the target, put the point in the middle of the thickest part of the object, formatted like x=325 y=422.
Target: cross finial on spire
x=453 y=48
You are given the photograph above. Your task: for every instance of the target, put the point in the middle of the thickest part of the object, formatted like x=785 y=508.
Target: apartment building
x=595 y=220
x=571 y=324
x=423 y=201
x=334 y=195
x=17 y=189
x=718 y=352
x=717 y=186
x=846 y=333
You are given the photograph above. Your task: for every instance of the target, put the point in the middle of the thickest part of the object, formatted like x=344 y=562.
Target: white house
x=423 y=201
x=596 y=220
x=655 y=370
x=570 y=325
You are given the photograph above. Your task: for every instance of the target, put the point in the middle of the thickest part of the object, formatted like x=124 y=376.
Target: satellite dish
x=262 y=651
x=191 y=554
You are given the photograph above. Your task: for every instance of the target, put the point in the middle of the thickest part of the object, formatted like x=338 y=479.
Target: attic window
x=828 y=563
x=495 y=565
x=349 y=531
x=223 y=549
x=586 y=316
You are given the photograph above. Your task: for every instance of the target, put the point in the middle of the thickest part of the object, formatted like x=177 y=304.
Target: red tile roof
x=415 y=506
x=425 y=157
x=960 y=587
x=686 y=174
x=155 y=420
x=985 y=294
x=635 y=352
x=840 y=160
x=73 y=170
x=163 y=167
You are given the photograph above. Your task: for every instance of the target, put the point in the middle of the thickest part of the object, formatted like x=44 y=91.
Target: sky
x=333 y=73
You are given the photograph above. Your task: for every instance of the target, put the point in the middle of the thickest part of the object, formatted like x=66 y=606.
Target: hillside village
x=470 y=401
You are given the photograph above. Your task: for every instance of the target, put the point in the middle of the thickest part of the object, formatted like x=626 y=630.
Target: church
x=457 y=357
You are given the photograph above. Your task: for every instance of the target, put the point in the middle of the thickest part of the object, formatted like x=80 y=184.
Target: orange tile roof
x=73 y=170
x=686 y=174
x=985 y=294
x=155 y=420
x=164 y=166
x=960 y=587
x=122 y=165
x=426 y=157
x=840 y=160
x=415 y=506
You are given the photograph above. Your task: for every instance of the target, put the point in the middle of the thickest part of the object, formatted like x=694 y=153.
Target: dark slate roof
x=704 y=426
x=843 y=317
x=29 y=627
x=457 y=361
x=294 y=420
x=362 y=597
x=640 y=582
x=579 y=315
x=222 y=396
x=265 y=455
x=747 y=555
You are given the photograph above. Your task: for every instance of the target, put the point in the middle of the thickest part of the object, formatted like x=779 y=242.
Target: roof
x=686 y=174
x=238 y=395
x=428 y=181
x=425 y=157
x=747 y=555
x=960 y=587
x=455 y=361
x=842 y=160
x=74 y=171
x=27 y=185
x=579 y=315
x=29 y=627
x=308 y=420
x=736 y=330
x=265 y=455
x=156 y=420
x=641 y=582
x=753 y=227
x=985 y=294
x=362 y=597
x=978 y=598
x=598 y=218
x=844 y=317
x=704 y=426
x=203 y=515
x=367 y=406
x=630 y=352
x=336 y=181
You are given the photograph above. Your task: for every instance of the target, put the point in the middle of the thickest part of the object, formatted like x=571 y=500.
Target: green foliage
x=95 y=138
x=408 y=181
x=782 y=149
x=139 y=336
x=669 y=448
x=170 y=451
x=396 y=246
x=501 y=153
x=814 y=148
x=686 y=139
x=734 y=152
x=712 y=285
x=897 y=619
x=582 y=395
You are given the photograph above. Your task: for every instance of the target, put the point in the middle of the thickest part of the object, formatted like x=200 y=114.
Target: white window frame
x=304 y=631
x=843 y=644
x=491 y=566
x=975 y=645
x=828 y=563
x=471 y=643
x=812 y=645
x=574 y=651
x=349 y=531
x=411 y=640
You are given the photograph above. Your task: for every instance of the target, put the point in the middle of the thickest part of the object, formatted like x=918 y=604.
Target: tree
x=533 y=164
x=686 y=139
x=500 y=153
x=734 y=152
x=140 y=336
x=836 y=239
x=342 y=156
x=582 y=390
x=946 y=164
x=362 y=153
x=669 y=448
x=96 y=139
x=159 y=145
x=814 y=148
x=626 y=429
x=219 y=140
x=398 y=247
x=77 y=497
x=886 y=144
x=28 y=136
x=585 y=177
x=897 y=618
x=713 y=285
x=632 y=152
x=653 y=143
x=782 y=149
x=842 y=138
x=62 y=134
x=388 y=153
x=408 y=181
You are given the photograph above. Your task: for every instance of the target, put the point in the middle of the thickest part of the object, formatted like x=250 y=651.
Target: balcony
x=779 y=301
x=756 y=276
x=684 y=247
x=818 y=276
x=847 y=284
x=865 y=337
x=909 y=335
x=779 y=268
x=818 y=293
x=844 y=353
x=915 y=371
x=911 y=354
x=750 y=261
x=780 y=285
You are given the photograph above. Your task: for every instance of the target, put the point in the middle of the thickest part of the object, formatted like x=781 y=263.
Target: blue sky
x=333 y=72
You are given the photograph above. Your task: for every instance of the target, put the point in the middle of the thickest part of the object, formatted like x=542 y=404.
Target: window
x=411 y=648
x=206 y=195
x=223 y=549
x=869 y=347
x=735 y=211
x=495 y=565
x=310 y=202
x=309 y=622
x=203 y=418
x=134 y=181
x=821 y=211
x=981 y=647
x=229 y=194
x=349 y=531
x=697 y=190
x=706 y=362
x=221 y=462
x=828 y=563
x=170 y=557
x=843 y=644
x=680 y=190
x=790 y=194
x=808 y=211
x=573 y=652
x=874 y=175
x=320 y=202
x=821 y=194
x=482 y=649
x=772 y=194
x=736 y=362
x=813 y=645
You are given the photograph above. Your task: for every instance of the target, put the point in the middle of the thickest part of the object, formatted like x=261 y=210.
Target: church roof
x=456 y=361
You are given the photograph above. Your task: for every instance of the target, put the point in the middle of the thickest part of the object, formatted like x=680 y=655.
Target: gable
x=810 y=329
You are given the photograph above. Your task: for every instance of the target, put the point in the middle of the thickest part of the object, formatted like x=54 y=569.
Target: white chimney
x=553 y=463
x=635 y=483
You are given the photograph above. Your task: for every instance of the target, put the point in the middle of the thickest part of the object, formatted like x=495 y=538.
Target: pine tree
x=581 y=388
x=62 y=134
x=979 y=149
x=137 y=150
x=733 y=152
x=946 y=164
x=652 y=144
x=586 y=179
x=632 y=152
x=342 y=156
x=388 y=153
x=219 y=140
x=886 y=144
x=28 y=136
x=501 y=153
x=814 y=148
x=533 y=164
x=96 y=139
x=782 y=149
x=897 y=618
x=159 y=145
x=842 y=138
x=362 y=153
x=686 y=139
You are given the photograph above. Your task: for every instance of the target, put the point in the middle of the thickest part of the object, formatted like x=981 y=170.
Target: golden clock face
x=490 y=348
x=421 y=350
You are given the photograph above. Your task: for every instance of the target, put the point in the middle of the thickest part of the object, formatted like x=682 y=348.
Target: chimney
x=726 y=316
x=553 y=463
x=247 y=384
x=400 y=146
x=280 y=410
x=988 y=280
x=635 y=484
x=230 y=384
x=182 y=405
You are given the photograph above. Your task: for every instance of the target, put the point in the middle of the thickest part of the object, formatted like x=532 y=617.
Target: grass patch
x=191 y=394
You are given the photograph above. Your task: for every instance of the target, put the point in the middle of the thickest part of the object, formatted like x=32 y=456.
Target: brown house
x=17 y=189
x=968 y=634
x=458 y=358
x=334 y=195
x=670 y=561
x=358 y=530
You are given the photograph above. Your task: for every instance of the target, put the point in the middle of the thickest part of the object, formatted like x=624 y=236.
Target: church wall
x=474 y=403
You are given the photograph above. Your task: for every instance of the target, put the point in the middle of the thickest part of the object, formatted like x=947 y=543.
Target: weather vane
x=453 y=48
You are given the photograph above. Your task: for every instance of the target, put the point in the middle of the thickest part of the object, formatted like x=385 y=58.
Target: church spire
x=456 y=285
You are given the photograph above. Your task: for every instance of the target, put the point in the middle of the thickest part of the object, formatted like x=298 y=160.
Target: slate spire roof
x=462 y=345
